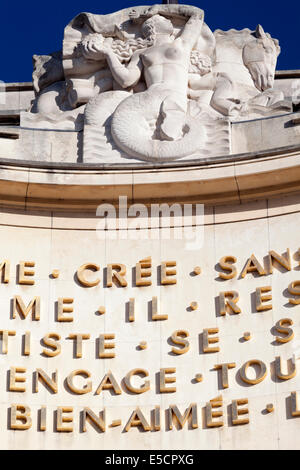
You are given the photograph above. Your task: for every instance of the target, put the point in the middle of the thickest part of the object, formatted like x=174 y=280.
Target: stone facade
x=167 y=300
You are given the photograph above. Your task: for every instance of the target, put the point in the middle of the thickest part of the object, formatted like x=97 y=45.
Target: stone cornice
x=230 y=179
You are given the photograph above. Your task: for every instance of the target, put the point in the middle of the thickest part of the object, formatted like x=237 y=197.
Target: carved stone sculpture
x=155 y=84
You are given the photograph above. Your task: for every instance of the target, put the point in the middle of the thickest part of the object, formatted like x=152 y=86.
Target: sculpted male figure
x=164 y=65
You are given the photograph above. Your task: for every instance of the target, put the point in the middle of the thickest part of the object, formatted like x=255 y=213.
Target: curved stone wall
x=60 y=241
x=114 y=332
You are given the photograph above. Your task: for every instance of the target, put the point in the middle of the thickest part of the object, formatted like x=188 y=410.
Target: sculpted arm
x=97 y=49
x=223 y=99
x=192 y=29
x=171 y=11
x=128 y=75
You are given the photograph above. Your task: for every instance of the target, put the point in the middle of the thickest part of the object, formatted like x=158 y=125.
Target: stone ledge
x=76 y=187
x=19 y=86
x=150 y=165
x=287 y=74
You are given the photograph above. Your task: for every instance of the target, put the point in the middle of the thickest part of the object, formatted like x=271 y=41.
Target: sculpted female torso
x=158 y=114
x=167 y=64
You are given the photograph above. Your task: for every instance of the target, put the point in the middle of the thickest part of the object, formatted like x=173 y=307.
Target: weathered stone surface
x=268 y=133
x=95 y=134
x=155 y=84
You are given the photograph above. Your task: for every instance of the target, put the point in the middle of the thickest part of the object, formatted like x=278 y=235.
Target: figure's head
x=157 y=24
x=260 y=57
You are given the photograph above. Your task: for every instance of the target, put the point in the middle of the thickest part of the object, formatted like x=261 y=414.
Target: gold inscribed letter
x=78 y=337
x=191 y=411
x=131 y=316
x=210 y=414
x=253 y=265
x=178 y=337
x=291 y=369
x=99 y=421
x=156 y=316
x=33 y=306
x=261 y=299
x=14 y=379
x=26 y=346
x=236 y=411
x=143 y=270
x=295 y=404
x=80 y=274
x=79 y=391
x=224 y=372
x=20 y=417
x=109 y=382
x=103 y=346
x=165 y=278
x=294 y=288
x=25 y=273
x=260 y=376
x=226 y=263
x=137 y=419
x=163 y=380
x=156 y=419
x=207 y=341
x=50 y=340
x=5 y=270
x=43 y=418
x=127 y=380
x=61 y=419
x=283 y=261
x=61 y=309
x=43 y=377
x=228 y=302
x=5 y=334
x=288 y=332
x=116 y=271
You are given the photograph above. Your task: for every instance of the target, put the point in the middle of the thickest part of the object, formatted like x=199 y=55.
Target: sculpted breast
x=173 y=53
x=158 y=55
x=147 y=59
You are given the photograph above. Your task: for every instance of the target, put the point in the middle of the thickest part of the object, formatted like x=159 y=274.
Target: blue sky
x=36 y=27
